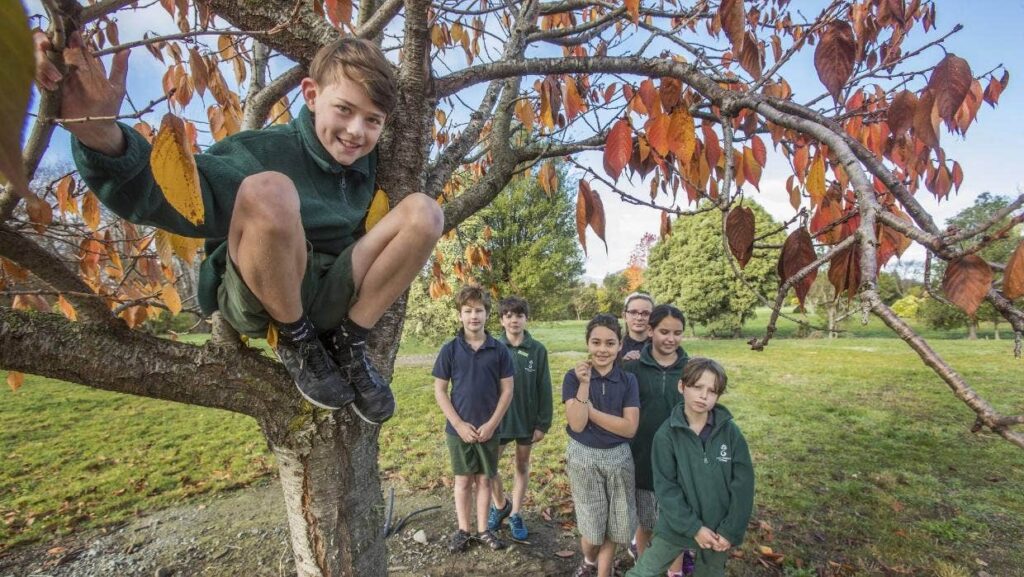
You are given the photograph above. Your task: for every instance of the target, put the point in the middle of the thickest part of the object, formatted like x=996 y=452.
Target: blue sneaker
x=495 y=515
x=515 y=522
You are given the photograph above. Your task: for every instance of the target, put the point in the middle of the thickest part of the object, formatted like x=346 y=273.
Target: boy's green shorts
x=328 y=292
x=473 y=458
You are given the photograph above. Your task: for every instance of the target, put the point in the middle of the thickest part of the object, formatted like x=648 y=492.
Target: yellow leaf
x=186 y=247
x=524 y=112
x=378 y=208
x=65 y=195
x=170 y=296
x=272 y=335
x=40 y=213
x=816 y=180
x=17 y=54
x=174 y=169
x=15 y=380
x=164 y=249
x=280 y=114
x=91 y=211
x=66 y=309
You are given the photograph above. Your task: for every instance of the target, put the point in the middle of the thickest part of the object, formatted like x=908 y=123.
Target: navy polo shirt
x=610 y=394
x=629 y=345
x=475 y=377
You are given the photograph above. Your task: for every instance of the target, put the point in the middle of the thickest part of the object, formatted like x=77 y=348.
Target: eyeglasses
x=640 y=314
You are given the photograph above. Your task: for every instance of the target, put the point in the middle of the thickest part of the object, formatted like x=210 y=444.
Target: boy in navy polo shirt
x=481 y=373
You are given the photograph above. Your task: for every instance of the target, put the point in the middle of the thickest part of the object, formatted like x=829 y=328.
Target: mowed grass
x=864 y=459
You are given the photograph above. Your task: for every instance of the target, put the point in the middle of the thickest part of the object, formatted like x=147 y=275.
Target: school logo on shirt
x=529 y=367
x=723 y=453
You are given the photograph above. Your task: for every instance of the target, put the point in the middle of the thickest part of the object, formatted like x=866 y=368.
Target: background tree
x=691 y=270
x=688 y=96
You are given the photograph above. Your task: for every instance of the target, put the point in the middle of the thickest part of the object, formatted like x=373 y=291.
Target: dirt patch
x=245 y=533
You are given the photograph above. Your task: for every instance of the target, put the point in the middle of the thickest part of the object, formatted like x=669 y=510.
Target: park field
x=865 y=462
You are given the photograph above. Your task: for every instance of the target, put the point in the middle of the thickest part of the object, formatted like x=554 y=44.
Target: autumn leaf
x=666 y=225
x=1013 y=276
x=379 y=206
x=91 y=211
x=547 y=177
x=170 y=296
x=16 y=53
x=733 y=19
x=926 y=120
x=901 y=112
x=844 y=272
x=583 y=213
x=682 y=138
x=966 y=282
x=65 y=195
x=174 y=169
x=816 y=179
x=40 y=213
x=66 y=309
x=15 y=380
x=658 y=133
x=834 y=57
x=739 y=230
x=618 y=148
x=797 y=253
x=339 y=12
x=524 y=112
x=751 y=168
x=950 y=82
x=596 y=217
x=633 y=9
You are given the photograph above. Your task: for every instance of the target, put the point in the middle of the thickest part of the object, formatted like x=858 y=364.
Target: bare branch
x=372 y=22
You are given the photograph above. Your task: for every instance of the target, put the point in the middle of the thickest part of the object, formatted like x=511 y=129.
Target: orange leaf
x=1013 y=276
x=816 y=179
x=65 y=195
x=66 y=309
x=170 y=296
x=524 y=112
x=739 y=229
x=574 y=104
x=760 y=153
x=834 y=57
x=618 y=148
x=91 y=210
x=966 y=282
x=15 y=380
x=339 y=12
x=658 y=133
x=901 y=112
x=40 y=213
x=583 y=213
x=650 y=98
x=751 y=56
x=666 y=225
x=751 y=169
x=712 y=148
x=682 y=136
x=633 y=9
x=926 y=120
x=797 y=253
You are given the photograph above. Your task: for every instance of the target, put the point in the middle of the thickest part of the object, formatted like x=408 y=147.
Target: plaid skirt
x=603 y=486
x=646 y=509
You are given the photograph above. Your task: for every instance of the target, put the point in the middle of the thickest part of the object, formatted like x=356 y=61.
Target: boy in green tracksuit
x=528 y=418
x=284 y=213
x=657 y=371
x=703 y=478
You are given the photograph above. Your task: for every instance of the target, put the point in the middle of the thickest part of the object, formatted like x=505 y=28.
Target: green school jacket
x=531 y=398
x=709 y=484
x=334 y=198
x=659 y=393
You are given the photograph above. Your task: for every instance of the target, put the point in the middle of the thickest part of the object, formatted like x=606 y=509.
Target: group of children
x=651 y=457
x=654 y=462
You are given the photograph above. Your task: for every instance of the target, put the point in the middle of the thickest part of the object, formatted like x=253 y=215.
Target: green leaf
x=16 y=78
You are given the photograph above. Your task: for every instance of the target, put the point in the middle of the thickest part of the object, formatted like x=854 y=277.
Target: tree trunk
x=332 y=496
x=832 y=321
x=972 y=329
x=995 y=329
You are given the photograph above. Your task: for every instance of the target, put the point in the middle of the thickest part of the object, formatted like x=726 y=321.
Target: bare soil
x=245 y=533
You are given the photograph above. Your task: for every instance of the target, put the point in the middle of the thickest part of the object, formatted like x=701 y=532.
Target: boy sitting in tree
x=284 y=214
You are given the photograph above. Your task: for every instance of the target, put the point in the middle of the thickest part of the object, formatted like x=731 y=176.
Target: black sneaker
x=460 y=542
x=315 y=374
x=374 y=402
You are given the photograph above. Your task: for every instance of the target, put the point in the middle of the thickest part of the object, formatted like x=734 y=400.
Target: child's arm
x=577 y=405
x=624 y=426
x=672 y=502
x=741 y=487
x=544 y=396
x=466 y=432
x=486 y=431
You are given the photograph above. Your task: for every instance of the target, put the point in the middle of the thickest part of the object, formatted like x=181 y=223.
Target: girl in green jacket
x=703 y=478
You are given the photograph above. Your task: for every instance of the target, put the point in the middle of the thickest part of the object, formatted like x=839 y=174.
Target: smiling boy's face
x=473 y=315
x=347 y=123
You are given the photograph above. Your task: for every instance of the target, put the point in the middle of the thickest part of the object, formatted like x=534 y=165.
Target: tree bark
x=972 y=330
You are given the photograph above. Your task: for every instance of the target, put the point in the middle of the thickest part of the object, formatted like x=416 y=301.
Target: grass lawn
x=864 y=461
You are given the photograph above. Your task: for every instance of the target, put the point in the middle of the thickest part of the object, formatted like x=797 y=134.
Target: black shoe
x=315 y=374
x=374 y=401
x=460 y=542
x=490 y=539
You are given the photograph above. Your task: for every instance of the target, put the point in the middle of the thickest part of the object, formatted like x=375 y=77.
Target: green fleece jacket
x=659 y=393
x=531 y=398
x=702 y=484
x=333 y=198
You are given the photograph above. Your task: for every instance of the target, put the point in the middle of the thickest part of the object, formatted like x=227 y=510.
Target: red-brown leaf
x=596 y=217
x=739 y=229
x=966 y=282
x=712 y=148
x=618 y=148
x=1013 y=277
x=658 y=133
x=950 y=82
x=901 y=112
x=666 y=225
x=751 y=56
x=926 y=120
x=844 y=272
x=733 y=19
x=760 y=153
x=834 y=57
x=583 y=213
x=797 y=253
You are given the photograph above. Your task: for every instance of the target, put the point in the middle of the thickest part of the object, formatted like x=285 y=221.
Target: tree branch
x=377 y=19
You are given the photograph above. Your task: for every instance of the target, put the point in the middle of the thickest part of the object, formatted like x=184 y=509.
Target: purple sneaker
x=688 y=563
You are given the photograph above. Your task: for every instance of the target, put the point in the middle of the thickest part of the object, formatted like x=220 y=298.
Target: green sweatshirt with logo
x=531 y=397
x=699 y=483
x=333 y=198
x=659 y=393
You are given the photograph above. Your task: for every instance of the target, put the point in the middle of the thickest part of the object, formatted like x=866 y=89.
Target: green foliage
x=426 y=318
x=584 y=303
x=908 y=306
x=612 y=294
x=939 y=315
x=690 y=269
